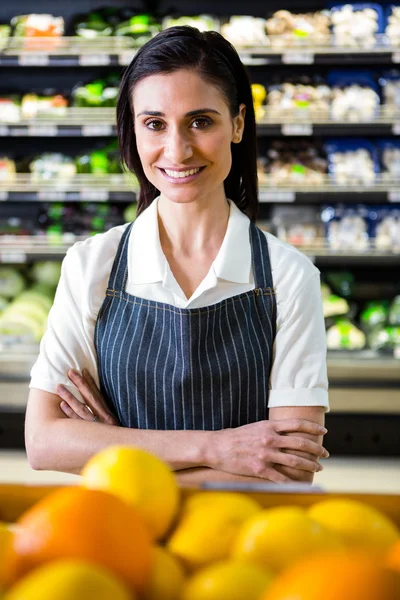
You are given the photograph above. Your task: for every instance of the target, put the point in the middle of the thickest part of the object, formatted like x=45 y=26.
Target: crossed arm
x=60 y=435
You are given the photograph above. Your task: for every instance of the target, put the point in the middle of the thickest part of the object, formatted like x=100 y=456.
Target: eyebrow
x=192 y=113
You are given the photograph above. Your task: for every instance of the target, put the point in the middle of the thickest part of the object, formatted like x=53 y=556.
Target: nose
x=178 y=147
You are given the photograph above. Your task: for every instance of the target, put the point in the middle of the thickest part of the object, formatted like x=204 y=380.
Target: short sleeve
x=299 y=371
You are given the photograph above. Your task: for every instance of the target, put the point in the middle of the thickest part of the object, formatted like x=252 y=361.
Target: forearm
x=195 y=476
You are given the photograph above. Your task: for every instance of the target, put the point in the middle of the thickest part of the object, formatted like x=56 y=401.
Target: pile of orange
x=125 y=534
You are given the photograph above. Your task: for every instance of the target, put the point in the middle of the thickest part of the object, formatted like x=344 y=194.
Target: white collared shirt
x=298 y=376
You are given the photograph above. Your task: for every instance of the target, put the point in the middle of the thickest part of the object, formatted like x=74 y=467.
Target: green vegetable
x=3 y=303
x=36 y=297
x=47 y=272
x=386 y=338
x=334 y=306
x=342 y=282
x=43 y=289
x=11 y=282
x=345 y=336
x=374 y=314
x=130 y=213
x=394 y=312
x=23 y=327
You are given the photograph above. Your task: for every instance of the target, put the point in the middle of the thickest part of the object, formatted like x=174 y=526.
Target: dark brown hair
x=216 y=61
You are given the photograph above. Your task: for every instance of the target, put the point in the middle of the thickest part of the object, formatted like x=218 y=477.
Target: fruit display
x=98 y=540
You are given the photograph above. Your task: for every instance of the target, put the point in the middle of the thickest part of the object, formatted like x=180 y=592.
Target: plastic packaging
x=355 y=95
x=352 y=161
x=357 y=25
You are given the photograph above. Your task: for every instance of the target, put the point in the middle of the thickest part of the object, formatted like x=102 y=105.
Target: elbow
x=36 y=450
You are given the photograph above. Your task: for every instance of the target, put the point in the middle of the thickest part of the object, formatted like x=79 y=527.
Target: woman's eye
x=202 y=122
x=154 y=124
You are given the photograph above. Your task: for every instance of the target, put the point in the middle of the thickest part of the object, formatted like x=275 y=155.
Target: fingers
x=92 y=396
x=81 y=410
x=296 y=462
x=67 y=410
x=298 y=425
x=301 y=444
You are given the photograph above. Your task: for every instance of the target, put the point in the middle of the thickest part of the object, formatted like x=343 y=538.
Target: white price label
x=396 y=57
x=297 y=129
x=94 y=60
x=125 y=59
x=50 y=196
x=3 y=196
x=33 y=60
x=4 y=131
x=13 y=257
x=94 y=195
x=298 y=58
x=277 y=196
x=248 y=59
x=19 y=131
x=396 y=128
x=43 y=130
x=97 y=130
x=394 y=196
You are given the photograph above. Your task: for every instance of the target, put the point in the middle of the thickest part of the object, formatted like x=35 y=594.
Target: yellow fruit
x=69 y=580
x=5 y=546
x=357 y=523
x=208 y=527
x=258 y=92
x=166 y=579
x=276 y=537
x=139 y=478
x=228 y=580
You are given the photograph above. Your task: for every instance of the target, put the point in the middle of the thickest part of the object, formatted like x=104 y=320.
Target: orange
x=393 y=557
x=84 y=524
x=140 y=479
x=69 y=580
x=340 y=576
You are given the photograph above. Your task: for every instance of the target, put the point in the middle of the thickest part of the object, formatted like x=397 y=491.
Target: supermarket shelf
x=109 y=51
x=94 y=188
x=100 y=122
x=21 y=249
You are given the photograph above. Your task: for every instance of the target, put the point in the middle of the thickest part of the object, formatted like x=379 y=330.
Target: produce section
x=326 y=90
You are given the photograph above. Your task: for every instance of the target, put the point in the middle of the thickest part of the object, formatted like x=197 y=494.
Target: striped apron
x=162 y=367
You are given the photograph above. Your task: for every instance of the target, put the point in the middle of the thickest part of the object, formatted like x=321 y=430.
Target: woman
x=204 y=334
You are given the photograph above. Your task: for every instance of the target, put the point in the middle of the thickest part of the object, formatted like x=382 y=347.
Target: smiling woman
x=190 y=332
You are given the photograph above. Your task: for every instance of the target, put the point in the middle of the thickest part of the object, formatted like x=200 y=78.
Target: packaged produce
x=384 y=339
x=245 y=31
x=374 y=315
x=385 y=227
x=356 y=25
x=297 y=225
x=33 y=104
x=393 y=25
x=100 y=93
x=52 y=166
x=390 y=86
x=47 y=272
x=139 y=28
x=394 y=312
x=37 y=25
x=201 y=22
x=287 y=29
x=92 y=26
x=334 y=306
x=7 y=169
x=5 y=31
x=342 y=282
x=297 y=163
x=355 y=96
x=390 y=158
x=345 y=336
x=352 y=161
x=11 y=282
x=10 y=111
x=346 y=227
x=299 y=98
x=3 y=303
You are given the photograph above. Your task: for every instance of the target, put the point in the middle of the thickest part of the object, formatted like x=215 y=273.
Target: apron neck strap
x=260 y=258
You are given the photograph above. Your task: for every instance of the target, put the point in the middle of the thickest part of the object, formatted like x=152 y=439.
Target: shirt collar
x=147 y=263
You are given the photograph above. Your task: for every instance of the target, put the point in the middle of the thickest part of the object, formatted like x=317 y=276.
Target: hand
x=95 y=405
x=260 y=449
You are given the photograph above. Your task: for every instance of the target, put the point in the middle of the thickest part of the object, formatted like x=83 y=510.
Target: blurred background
x=326 y=89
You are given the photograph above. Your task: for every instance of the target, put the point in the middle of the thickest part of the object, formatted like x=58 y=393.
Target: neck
x=192 y=228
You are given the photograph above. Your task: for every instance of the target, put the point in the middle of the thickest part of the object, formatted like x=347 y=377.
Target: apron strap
x=260 y=258
x=119 y=270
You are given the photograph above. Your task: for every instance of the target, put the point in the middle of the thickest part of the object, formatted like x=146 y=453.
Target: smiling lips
x=180 y=173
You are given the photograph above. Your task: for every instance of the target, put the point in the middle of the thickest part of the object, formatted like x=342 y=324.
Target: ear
x=238 y=125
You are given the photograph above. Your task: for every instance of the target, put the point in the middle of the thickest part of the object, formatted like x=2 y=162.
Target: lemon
x=357 y=523
x=167 y=577
x=228 y=580
x=276 y=537
x=140 y=479
x=69 y=580
x=208 y=526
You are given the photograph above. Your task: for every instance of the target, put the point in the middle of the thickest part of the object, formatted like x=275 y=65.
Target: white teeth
x=181 y=174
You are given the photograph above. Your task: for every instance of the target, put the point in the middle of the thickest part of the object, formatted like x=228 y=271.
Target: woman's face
x=184 y=133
